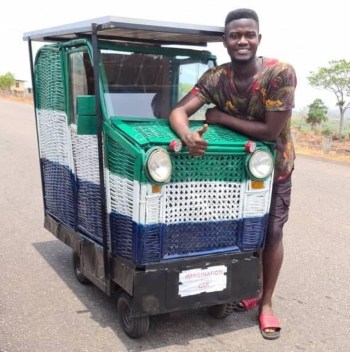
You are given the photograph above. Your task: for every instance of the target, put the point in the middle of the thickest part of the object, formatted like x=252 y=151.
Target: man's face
x=242 y=39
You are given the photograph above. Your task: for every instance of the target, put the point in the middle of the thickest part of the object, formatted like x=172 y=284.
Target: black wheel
x=77 y=269
x=221 y=311
x=133 y=327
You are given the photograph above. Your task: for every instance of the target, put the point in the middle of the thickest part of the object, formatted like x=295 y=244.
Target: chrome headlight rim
x=264 y=172
x=158 y=158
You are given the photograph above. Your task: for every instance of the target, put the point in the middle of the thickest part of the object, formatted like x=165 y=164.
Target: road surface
x=44 y=309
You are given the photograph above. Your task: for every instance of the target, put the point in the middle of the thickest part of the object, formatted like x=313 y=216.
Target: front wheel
x=221 y=311
x=134 y=327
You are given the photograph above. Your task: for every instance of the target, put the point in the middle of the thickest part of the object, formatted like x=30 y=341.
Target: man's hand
x=195 y=143
x=213 y=116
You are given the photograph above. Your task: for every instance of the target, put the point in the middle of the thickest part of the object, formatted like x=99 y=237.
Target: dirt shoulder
x=26 y=99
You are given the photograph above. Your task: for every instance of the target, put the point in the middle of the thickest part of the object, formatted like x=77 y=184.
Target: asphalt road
x=44 y=309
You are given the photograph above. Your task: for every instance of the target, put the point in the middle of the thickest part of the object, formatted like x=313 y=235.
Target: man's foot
x=270 y=326
x=246 y=304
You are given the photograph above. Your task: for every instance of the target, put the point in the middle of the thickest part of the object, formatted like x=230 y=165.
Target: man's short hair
x=241 y=13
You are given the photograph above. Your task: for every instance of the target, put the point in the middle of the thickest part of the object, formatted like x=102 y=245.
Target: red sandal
x=269 y=321
x=246 y=304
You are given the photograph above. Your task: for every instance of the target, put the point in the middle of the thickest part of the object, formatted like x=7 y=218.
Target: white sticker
x=195 y=281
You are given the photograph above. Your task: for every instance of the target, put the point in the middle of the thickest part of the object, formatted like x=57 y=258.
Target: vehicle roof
x=122 y=29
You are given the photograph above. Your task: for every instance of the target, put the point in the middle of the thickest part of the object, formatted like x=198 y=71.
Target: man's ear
x=224 y=40
x=260 y=36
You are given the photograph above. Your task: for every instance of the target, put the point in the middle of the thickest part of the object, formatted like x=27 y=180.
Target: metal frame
x=96 y=60
x=122 y=30
x=132 y=30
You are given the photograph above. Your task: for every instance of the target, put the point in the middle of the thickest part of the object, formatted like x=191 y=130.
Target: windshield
x=148 y=85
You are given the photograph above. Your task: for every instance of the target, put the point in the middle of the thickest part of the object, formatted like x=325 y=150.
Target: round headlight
x=159 y=165
x=260 y=164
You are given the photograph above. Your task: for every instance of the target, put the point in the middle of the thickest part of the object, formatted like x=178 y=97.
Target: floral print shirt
x=272 y=90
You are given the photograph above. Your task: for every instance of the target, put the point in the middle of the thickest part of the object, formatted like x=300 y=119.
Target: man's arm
x=267 y=130
x=178 y=119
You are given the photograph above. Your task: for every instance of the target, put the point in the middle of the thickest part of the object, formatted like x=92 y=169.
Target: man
x=253 y=95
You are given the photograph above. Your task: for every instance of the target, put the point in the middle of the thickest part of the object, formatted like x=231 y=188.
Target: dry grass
x=314 y=144
x=331 y=155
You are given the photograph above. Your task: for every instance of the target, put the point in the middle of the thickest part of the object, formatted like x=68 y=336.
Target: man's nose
x=242 y=40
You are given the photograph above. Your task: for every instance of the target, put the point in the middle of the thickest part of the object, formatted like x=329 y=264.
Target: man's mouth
x=242 y=51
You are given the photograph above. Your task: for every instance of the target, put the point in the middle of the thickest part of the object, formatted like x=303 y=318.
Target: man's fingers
x=203 y=130
x=196 y=152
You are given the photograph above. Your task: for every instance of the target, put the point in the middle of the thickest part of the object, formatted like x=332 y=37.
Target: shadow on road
x=165 y=330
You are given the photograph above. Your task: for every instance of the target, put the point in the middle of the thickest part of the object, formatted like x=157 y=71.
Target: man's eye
x=234 y=36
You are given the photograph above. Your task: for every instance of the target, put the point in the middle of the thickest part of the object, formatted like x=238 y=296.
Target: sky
x=308 y=34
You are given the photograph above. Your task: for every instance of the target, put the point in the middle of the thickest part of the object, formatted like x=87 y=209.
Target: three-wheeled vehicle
x=162 y=230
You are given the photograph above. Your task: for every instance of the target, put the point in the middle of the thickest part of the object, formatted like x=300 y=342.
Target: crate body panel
x=206 y=208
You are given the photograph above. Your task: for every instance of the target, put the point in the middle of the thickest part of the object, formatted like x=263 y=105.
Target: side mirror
x=86 y=115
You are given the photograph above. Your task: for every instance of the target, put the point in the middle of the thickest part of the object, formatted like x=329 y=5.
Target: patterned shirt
x=272 y=90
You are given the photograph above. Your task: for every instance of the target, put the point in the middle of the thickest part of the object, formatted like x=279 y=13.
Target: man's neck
x=246 y=70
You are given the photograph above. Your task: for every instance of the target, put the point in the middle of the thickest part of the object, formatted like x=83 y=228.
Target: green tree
x=317 y=113
x=336 y=79
x=7 y=81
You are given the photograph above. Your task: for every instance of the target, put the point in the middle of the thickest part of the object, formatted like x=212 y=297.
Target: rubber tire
x=77 y=269
x=133 y=327
x=221 y=311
